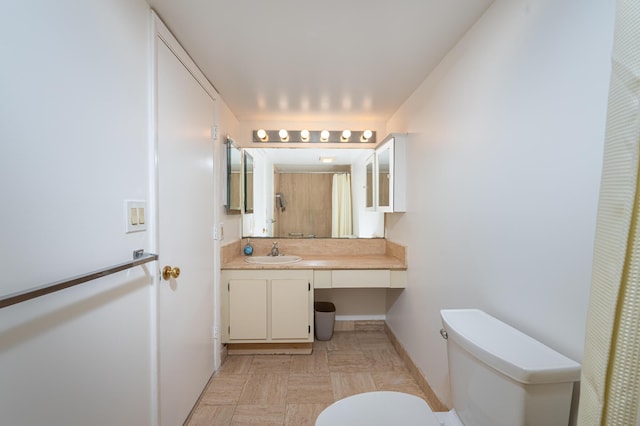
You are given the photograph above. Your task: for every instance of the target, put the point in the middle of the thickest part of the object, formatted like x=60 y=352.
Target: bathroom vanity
x=268 y=308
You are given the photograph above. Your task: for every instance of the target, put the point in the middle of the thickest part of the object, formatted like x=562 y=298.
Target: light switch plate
x=134 y=216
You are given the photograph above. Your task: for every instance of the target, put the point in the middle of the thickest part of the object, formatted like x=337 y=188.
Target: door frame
x=159 y=33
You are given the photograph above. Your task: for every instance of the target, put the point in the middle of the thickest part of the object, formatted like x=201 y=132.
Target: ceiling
x=324 y=60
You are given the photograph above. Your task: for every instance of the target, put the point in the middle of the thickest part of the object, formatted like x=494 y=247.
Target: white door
x=185 y=114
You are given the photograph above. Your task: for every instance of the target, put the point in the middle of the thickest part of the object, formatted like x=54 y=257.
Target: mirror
x=370 y=202
x=234 y=177
x=293 y=194
x=248 y=182
x=384 y=177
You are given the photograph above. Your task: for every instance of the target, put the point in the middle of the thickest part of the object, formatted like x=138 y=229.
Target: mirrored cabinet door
x=248 y=182
x=384 y=177
x=234 y=177
x=390 y=179
x=370 y=202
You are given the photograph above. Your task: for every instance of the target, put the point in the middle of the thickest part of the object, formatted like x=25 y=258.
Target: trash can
x=325 y=317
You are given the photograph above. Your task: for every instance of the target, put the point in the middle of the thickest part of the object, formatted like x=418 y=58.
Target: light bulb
x=262 y=134
x=366 y=135
x=324 y=135
x=346 y=134
x=304 y=135
x=284 y=135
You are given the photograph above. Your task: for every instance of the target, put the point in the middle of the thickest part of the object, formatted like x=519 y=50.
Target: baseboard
x=359 y=325
x=269 y=348
x=432 y=399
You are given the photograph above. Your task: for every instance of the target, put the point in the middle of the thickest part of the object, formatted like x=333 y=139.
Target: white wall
x=505 y=153
x=73 y=126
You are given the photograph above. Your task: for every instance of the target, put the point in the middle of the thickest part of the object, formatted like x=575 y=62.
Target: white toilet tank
x=499 y=376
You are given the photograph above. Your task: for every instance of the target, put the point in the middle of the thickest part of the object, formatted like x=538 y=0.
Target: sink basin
x=272 y=260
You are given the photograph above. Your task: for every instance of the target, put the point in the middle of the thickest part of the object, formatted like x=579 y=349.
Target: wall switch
x=134 y=216
x=216 y=332
x=141 y=215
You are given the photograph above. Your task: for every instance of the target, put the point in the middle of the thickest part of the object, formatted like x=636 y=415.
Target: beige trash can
x=325 y=318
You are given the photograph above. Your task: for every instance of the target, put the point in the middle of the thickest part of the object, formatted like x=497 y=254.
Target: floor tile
x=347 y=384
x=386 y=359
x=261 y=414
x=265 y=389
x=397 y=381
x=309 y=389
x=316 y=363
x=270 y=364
x=224 y=389
x=212 y=415
x=347 y=361
x=303 y=414
x=236 y=364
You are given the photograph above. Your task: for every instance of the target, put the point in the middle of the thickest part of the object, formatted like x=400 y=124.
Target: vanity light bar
x=313 y=136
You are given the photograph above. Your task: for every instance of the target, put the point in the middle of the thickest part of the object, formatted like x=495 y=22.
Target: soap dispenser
x=248 y=248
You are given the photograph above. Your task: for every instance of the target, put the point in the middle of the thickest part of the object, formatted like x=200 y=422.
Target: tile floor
x=292 y=390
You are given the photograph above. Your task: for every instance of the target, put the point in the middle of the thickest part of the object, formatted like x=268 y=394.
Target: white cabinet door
x=391 y=175
x=290 y=309
x=247 y=309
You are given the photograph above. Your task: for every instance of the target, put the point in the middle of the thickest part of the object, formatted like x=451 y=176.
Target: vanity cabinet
x=391 y=176
x=267 y=306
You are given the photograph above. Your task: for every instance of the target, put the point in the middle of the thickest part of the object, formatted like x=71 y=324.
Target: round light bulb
x=324 y=135
x=366 y=135
x=346 y=134
x=262 y=134
x=284 y=135
x=304 y=135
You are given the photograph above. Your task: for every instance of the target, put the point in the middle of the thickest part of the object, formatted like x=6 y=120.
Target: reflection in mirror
x=297 y=195
x=384 y=159
x=234 y=177
x=370 y=203
x=248 y=183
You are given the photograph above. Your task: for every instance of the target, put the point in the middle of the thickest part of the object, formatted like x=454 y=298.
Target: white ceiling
x=317 y=60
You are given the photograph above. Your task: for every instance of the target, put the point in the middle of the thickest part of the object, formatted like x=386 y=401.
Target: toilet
x=499 y=376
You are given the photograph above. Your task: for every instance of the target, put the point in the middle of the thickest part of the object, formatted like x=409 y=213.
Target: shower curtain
x=341 y=216
x=610 y=382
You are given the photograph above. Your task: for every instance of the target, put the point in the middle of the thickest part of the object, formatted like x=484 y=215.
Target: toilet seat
x=382 y=408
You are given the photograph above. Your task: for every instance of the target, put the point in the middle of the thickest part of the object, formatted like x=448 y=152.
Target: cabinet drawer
x=359 y=278
x=321 y=279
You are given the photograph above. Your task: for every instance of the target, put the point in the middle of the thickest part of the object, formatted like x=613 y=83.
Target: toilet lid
x=378 y=409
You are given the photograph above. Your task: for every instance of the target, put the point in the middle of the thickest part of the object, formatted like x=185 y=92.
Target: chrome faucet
x=274 y=250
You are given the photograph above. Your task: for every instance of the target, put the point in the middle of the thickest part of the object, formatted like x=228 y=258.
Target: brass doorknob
x=168 y=272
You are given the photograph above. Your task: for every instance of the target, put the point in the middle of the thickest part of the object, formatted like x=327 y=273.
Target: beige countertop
x=380 y=261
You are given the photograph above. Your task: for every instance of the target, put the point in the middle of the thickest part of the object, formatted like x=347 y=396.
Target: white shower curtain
x=341 y=217
x=610 y=382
